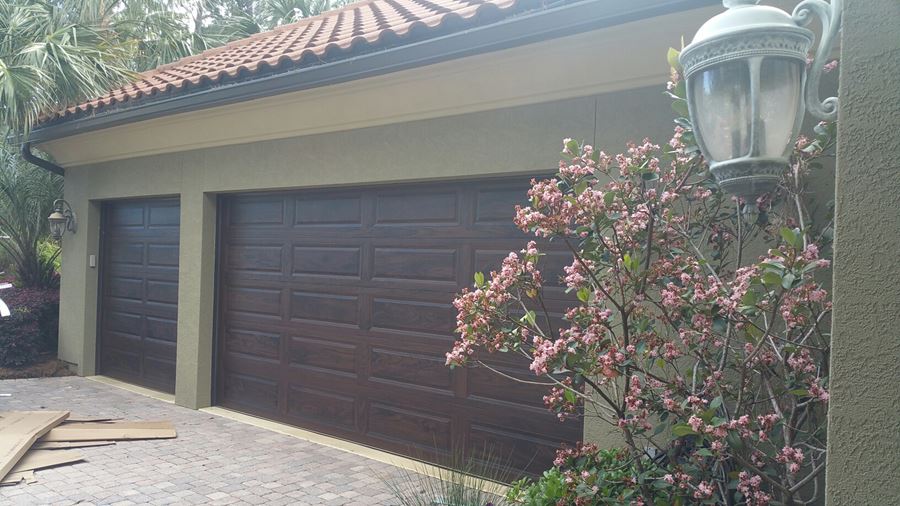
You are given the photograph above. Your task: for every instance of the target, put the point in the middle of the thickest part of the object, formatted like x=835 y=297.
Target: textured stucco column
x=864 y=417
x=79 y=282
x=196 y=287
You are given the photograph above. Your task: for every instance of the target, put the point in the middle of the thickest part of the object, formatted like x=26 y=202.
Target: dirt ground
x=48 y=366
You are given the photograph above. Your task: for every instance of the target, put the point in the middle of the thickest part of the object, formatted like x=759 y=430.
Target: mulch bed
x=46 y=367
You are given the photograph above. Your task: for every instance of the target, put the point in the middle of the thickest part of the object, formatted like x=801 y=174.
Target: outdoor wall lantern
x=62 y=219
x=746 y=76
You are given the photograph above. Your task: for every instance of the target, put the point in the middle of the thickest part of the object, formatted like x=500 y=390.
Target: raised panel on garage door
x=139 y=291
x=336 y=314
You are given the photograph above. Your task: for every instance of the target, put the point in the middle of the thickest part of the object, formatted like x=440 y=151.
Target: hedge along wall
x=32 y=328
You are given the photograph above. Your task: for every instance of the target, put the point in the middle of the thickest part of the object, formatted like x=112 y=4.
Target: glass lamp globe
x=745 y=75
x=58 y=224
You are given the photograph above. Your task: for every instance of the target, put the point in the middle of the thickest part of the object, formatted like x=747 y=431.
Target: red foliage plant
x=32 y=326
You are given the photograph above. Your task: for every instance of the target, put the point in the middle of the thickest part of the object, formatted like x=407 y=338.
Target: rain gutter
x=33 y=159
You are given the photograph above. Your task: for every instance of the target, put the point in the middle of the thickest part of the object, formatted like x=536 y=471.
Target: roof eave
x=567 y=19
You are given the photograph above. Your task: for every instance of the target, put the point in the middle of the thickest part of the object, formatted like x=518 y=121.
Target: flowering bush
x=712 y=365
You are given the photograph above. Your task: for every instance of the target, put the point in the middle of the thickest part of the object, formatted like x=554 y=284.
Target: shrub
x=710 y=359
x=19 y=339
x=586 y=476
x=35 y=316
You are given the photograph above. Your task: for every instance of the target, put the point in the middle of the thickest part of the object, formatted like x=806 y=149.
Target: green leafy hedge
x=587 y=476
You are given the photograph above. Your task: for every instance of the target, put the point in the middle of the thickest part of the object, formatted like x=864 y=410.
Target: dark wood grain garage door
x=139 y=291
x=335 y=315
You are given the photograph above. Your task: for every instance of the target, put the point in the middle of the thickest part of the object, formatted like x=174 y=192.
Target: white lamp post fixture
x=746 y=76
x=62 y=219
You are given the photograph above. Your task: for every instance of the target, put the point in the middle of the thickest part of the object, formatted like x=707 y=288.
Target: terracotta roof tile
x=361 y=27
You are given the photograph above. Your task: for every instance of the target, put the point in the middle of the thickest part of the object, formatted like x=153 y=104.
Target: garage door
x=335 y=315
x=139 y=291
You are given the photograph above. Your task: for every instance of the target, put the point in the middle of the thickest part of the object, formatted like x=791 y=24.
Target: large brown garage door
x=139 y=291
x=335 y=315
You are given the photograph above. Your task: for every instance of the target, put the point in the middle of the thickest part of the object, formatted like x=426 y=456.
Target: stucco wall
x=864 y=417
x=511 y=140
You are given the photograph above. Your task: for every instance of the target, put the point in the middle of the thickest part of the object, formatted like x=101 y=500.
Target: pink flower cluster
x=793 y=457
x=751 y=487
x=480 y=311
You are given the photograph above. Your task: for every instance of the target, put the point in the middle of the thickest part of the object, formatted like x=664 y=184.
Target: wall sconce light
x=62 y=219
x=746 y=76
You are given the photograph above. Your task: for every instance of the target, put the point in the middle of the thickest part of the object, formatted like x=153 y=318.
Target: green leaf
x=771 y=279
x=530 y=317
x=680 y=88
x=683 y=429
x=580 y=187
x=792 y=237
x=672 y=57
x=787 y=281
x=800 y=392
x=658 y=429
x=750 y=298
x=680 y=107
x=716 y=403
x=479 y=279
x=608 y=198
x=570 y=396
x=584 y=294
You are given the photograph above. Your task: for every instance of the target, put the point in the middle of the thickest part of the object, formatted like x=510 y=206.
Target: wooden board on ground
x=83 y=419
x=58 y=445
x=19 y=430
x=111 y=431
x=16 y=478
x=39 y=459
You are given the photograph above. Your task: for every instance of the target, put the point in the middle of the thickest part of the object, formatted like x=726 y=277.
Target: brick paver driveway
x=214 y=460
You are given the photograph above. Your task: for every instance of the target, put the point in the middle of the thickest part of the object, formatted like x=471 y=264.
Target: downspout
x=40 y=162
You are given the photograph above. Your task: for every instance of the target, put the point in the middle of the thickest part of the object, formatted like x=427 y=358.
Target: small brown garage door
x=139 y=291
x=335 y=315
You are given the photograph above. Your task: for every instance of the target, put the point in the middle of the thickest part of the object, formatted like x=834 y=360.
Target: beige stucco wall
x=864 y=417
x=511 y=140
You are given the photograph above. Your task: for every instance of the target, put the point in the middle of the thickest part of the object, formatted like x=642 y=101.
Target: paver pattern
x=214 y=460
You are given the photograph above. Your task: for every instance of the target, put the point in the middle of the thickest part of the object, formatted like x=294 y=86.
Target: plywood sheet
x=57 y=445
x=111 y=431
x=19 y=430
x=16 y=478
x=39 y=459
x=83 y=419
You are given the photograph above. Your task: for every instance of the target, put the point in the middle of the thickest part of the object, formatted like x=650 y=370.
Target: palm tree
x=26 y=199
x=235 y=19
x=56 y=52
x=49 y=57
